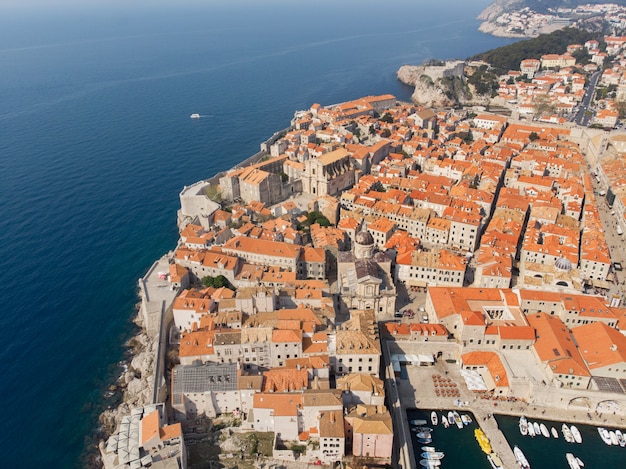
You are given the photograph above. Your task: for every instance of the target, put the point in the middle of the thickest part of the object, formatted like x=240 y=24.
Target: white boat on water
x=457 y=419
x=555 y=433
x=531 y=429
x=620 y=438
x=444 y=421
x=567 y=433
x=521 y=459
x=424 y=435
x=430 y=463
x=614 y=439
x=425 y=441
x=604 y=434
x=419 y=430
x=537 y=428
x=580 y=462
x=572 y=461
x=576 y=434
x=523 y=426
x=466 y=419
x=418 y=422
x=544 y=430
x=436 y=455
x=433 y=418
x=195 y=115
x=428 y=449
x=495 y=461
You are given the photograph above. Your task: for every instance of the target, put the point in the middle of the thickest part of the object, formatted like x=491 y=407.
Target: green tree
x=216 y=282
x=533 y=136
x=385 y=133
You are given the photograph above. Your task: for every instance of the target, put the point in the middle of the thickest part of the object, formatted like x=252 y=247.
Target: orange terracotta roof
x=150 y=426
x=491 y=361
x=600 y=345
x=283 y=404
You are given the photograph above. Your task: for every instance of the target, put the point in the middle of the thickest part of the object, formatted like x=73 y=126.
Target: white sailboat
x=544 y=430
x=555 y=433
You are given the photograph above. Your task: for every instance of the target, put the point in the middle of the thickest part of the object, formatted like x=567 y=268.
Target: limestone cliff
x=437 y=91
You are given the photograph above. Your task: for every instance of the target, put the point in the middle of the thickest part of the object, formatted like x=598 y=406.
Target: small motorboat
x=466 y=419
x=580 y=462
x=444 y=421
x=521 y=459
x=555 y=433
x=544 y=430
x=430 y=463
x=432 y=455
x=425 y=441
x=567 y=433
x=576 y=434
x=422 y=429
x=195 y=115
x=428 y=449
x=457 y=419
x=433 y=418
x=571 y=460
x=613 y=437
x=495 y=461
x=424 y=435
x=620 y=438
x=537 y=428
x=483 y=441
x=531 y=429
x=604 y=434
x=523 y=426
x=418 y=422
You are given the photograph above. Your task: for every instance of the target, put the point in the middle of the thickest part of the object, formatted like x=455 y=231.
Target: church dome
x=563 y=264
x=364 y=237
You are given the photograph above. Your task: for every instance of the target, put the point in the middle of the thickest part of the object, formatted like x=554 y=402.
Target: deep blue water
x=96 y=142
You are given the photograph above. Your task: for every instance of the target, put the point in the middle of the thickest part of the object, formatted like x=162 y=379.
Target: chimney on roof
x=332 y=417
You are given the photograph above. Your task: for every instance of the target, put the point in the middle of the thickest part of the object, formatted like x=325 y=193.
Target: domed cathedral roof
x=364 y=238
x=563 y=264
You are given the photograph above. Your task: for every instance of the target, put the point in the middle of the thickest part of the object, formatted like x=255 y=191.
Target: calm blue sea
x=96 y=142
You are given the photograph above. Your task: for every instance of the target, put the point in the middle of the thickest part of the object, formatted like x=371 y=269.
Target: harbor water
x=462 y=450
x=549 y=453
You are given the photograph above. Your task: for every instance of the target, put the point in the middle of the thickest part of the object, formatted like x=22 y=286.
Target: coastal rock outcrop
x=441 y=85
x=135 y=383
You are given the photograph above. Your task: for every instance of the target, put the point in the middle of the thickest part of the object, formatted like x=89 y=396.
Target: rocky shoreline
x=133 y=388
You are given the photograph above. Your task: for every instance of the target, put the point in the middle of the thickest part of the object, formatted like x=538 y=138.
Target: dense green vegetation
x=484 y=80
x=216 y=282
x=509 y=57
x=316 y=217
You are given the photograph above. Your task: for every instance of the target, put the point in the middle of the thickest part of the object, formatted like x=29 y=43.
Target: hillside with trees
x=509 y=57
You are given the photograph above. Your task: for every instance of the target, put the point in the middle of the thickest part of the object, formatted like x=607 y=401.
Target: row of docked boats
x=571 y=434
x=612 y=437
x=452 y=418
x=431 y=458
